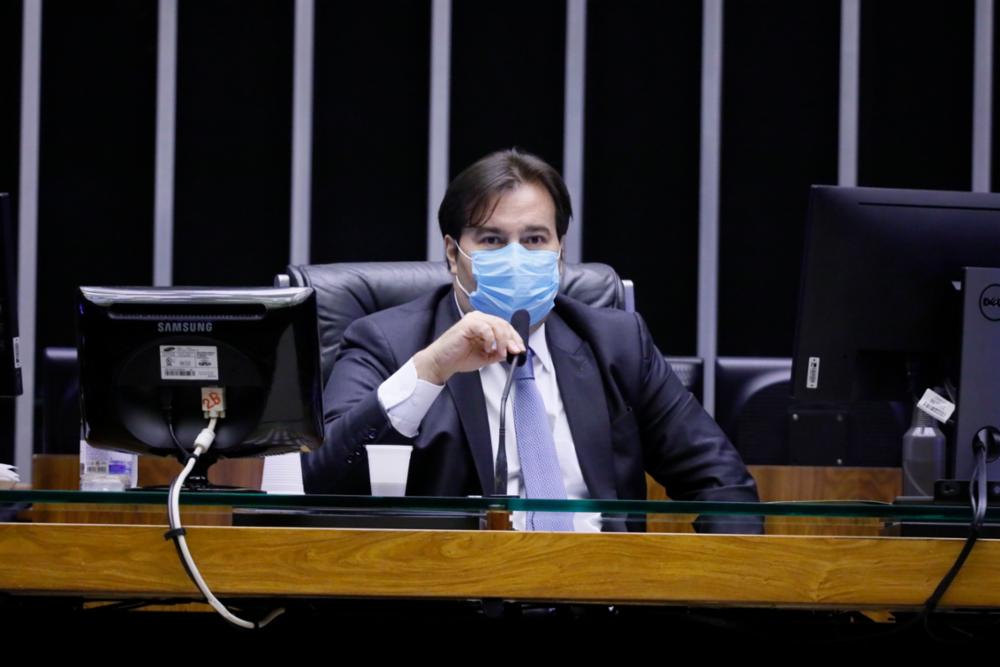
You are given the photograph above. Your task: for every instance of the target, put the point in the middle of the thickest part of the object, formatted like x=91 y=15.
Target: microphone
x=520 y=320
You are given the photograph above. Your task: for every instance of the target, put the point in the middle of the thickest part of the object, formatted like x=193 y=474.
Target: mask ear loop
x=459 y=249
x=459 y=282
x=462 y=287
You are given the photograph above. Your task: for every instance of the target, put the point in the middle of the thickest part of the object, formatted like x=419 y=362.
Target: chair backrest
x=60 y=401
x=753 y=405
x=691 y=372
x=348 y=291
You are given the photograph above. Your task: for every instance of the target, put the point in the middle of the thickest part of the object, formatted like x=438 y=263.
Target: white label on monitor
x=189 y=362
x=213 y=401
x=936 y=406
x=812 y=373
x=17 y=352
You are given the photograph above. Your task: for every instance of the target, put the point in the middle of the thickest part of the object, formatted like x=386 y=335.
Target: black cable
x=173 y=436
x=167 y=405
x=978 y=500
x=932 y=602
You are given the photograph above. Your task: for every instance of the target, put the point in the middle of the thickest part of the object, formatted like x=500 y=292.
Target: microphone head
x=521 y=321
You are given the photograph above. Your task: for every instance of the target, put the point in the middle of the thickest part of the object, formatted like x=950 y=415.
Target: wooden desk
x=122 y=561
x=759 y=571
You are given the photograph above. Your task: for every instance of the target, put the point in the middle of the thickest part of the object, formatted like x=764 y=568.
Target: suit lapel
x=466 y=391
x=586 y=408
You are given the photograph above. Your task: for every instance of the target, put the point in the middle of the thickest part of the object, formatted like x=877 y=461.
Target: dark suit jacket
x=627 y=411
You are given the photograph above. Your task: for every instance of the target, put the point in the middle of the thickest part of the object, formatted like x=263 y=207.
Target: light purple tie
x=540 y=471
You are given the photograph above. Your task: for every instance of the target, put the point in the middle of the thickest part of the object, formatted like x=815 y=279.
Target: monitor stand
x=198 y=482
x=979 y=374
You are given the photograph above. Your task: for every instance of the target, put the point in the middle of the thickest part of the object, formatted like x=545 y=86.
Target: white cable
x=202 y=443
x=977 y=487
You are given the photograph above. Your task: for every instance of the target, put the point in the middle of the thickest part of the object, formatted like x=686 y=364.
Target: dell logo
x=989 y=303
x=184 y=327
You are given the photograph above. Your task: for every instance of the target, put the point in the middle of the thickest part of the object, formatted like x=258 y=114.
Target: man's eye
x=491 y=240
x=535 y=240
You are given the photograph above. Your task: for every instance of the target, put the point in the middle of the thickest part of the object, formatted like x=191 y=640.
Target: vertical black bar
x=995 y=148
x=95 y=186
x=10 y=91
x=643 y=119
x=370 y=131
x=781 y=82
x=915 y=110
x=233 y=155
x=508 y=64
x=11 y=20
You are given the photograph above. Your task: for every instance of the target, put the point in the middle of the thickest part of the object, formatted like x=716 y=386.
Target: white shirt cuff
x=406 y=399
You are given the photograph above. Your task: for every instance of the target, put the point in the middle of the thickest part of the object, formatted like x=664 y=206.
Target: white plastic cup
x=388 y=467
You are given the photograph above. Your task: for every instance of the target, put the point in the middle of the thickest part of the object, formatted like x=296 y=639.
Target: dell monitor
x=155 y=363
x=891 y=304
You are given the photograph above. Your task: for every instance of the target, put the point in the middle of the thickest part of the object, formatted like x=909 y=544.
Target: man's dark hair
x=473 y=195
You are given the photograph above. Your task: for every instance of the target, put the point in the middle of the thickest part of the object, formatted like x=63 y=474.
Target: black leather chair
x=753 y=405
x=348 y=291
x=60 y=401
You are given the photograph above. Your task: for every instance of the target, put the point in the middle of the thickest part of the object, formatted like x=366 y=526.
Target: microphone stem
x=500 y=472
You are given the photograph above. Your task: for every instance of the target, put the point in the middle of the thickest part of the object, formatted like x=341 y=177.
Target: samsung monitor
x=156 y=363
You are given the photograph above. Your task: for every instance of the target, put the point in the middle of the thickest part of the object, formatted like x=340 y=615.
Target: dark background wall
x=507 y=65
x=915 y=111
x=780 y=97
x=641 y=156
x=233 y=139
x=96 y=141
x=370 y=137
x=370 y=116
x=10 y=123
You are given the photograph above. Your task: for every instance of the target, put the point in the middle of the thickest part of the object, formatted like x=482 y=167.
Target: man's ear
x=451 y=254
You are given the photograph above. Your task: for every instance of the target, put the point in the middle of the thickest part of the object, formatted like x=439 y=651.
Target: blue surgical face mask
x=513 y=278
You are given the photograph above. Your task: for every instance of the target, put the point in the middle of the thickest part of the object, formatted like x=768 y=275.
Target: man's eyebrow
x=487 y=230
x=536 y=228
x=530 y=229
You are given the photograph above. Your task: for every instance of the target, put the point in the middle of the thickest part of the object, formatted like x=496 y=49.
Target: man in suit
x=599 y=405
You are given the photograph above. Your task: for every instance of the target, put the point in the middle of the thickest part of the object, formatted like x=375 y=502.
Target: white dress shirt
x=406 y=400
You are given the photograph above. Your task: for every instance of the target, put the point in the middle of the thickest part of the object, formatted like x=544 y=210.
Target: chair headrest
x=348 y=291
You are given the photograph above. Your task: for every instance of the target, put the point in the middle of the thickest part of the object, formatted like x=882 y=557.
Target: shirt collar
x=540 y=346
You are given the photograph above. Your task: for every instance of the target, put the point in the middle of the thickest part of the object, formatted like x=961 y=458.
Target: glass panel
x=665 y=516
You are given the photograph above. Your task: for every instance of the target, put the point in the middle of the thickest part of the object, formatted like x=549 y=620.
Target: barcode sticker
x=936 y=406
x=189 y=362
x=812 y=373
